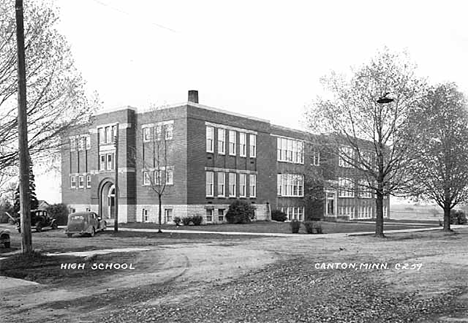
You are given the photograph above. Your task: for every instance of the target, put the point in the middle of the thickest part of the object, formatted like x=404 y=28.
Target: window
x=242 y=144
x=221 y=184
x=102 y=136
x=315 y=156
x=221 y=141
x=146 y=134
x=220 y=215
x=102 y=162
x=242 y=184
x=72 y=143
x=253 y=146
x=346 y=187
x=365 y=191
x=169 y=176
x=210 y=139
x=88 y=142
x=110 y=161
x=146 y=178
x=232 y=184
x=88 y=181
x=145 y=215
x=81 y=181
x=73 y=182
x=346 y=156
x=290 y=185
x=209 y=215
x=253 y=185
x=169 y=131
x=209 y=183
x=168 y=215
x=232 y=142
x=81 y=143
x=158 y=177
x=108 y=135
x=290 y=150
x=158 y=132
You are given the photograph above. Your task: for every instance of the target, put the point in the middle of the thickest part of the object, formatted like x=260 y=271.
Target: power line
x=130 y=15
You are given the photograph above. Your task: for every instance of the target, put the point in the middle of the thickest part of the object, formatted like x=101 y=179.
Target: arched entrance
x=107 y=200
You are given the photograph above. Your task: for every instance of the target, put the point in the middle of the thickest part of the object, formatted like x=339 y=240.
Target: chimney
x=193 y=96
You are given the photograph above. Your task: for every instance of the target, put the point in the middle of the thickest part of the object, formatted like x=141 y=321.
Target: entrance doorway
x=107 y=201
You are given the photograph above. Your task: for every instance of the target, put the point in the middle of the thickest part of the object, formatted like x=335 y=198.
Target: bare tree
x=438 y=128
x=55 y=89
x=363 y=133
x=154 y=156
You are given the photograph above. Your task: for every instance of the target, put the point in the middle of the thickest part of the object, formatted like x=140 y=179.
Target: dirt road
x=172 y=278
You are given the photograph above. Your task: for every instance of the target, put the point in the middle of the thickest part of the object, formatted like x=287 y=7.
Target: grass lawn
x=279 y=227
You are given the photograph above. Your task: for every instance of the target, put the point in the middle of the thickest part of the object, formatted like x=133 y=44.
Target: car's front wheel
x=93 y=232
x=69 y=235
x=54 y=226
x=38 y=227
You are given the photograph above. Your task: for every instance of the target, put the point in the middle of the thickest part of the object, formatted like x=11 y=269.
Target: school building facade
x=199 y=159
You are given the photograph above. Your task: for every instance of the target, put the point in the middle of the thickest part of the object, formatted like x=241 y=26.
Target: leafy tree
x=363 y=133
x=55 y=89
x=438 y=129
x=34 y=203
x=240 y=212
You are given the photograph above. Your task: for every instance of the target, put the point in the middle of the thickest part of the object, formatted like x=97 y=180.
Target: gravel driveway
x=407 y=277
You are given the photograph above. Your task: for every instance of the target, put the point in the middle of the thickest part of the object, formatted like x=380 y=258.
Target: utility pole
x=116 y=184
x=26 y=239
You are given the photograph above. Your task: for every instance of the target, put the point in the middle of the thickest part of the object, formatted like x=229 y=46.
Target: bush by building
x=240 y=212
x=278 y=215
x=197 y=219
x=187 y=220
x=295 y=226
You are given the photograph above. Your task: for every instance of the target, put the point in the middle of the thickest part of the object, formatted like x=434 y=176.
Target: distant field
x=415 y=212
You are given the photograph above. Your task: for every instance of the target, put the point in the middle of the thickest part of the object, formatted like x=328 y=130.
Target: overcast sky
x=260 y=58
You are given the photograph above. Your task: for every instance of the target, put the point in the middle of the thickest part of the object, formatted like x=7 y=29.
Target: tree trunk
x=447 y=210
x=379 y=221
x=160 y=212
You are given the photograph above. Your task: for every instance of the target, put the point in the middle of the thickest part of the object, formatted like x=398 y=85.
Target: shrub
x=295 y=226
x=278 y=215
x=240 y=212
x=309 y=226
x=187 y=220
x=457 y=217
x=59 y=212
x=177 y=220
x=197 y=219
x=318 y=227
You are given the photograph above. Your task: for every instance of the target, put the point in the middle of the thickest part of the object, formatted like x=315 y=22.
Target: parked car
x=84 y=223
x=39 y=219
x=5 y=237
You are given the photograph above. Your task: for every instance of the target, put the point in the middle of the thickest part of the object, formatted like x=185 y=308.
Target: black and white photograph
x=233 y=161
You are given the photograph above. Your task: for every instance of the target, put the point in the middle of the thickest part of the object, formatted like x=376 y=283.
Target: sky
x=259 y=58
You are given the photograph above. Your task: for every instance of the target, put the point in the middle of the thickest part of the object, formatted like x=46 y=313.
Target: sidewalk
x=290 y=235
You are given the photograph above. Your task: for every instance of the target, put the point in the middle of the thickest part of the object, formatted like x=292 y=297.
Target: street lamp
x=385 y=99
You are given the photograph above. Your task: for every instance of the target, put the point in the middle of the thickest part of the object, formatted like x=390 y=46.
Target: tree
x=363 y=133
x=438 y=129
x=55 y=89
x=33 y=202
x=155 y=156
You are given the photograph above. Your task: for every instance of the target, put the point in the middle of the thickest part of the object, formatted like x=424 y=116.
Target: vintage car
x=39 y=219
x=5 y=237
x=84 y=223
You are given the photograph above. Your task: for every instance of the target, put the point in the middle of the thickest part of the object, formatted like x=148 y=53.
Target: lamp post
x=380 y=177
